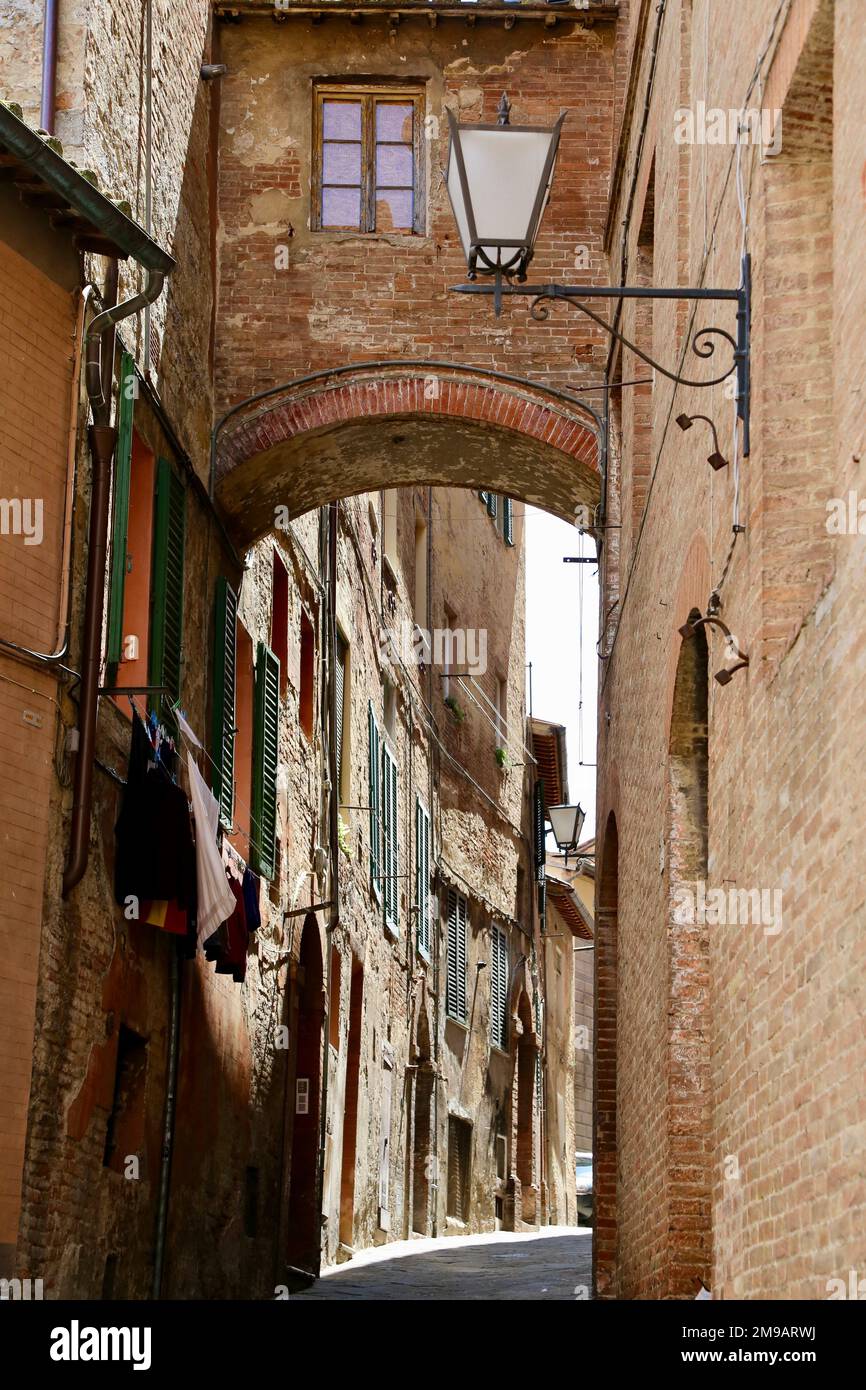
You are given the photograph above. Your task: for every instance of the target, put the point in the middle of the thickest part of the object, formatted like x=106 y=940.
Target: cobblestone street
x=552 y=1264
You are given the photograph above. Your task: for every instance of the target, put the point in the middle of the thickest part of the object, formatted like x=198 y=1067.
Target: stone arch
x=604 y=1248
x=689 y=1080
x=304 y=1224
x=358 y=429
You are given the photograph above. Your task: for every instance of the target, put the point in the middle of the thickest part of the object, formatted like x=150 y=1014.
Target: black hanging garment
x=155 y=851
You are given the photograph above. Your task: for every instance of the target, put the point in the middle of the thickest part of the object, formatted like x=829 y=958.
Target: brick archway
x=353 y=430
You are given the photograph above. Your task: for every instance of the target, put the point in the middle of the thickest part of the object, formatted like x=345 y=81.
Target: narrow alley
x=552 y=1264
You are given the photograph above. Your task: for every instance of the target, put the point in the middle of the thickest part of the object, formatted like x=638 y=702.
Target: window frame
x=368 y=94
x=456 y=1010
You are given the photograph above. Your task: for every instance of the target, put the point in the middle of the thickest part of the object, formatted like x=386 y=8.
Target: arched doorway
x=689 y=1095
x=604 y=1248
x=304 y=1227
x=525 y=1068
x=422 y=1119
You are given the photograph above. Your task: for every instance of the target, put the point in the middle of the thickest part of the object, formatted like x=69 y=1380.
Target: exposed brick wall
x=37 y=319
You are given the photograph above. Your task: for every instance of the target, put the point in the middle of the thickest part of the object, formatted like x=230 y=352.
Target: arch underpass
x=370 y=426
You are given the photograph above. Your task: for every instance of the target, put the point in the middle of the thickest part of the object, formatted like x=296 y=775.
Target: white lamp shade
x=499 y=202
x=566 y=823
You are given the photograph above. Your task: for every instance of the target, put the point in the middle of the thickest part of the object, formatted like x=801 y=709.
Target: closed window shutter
x=389 y=816
x=492 y=501
x=265 y=756
x=338 y=731
x=538 y=829
x=499 y=989
x=455 y=977
x=422 y=877
x=375 y=810
x=508 y=520
x=120 y=517
x=485 y=498
x=224 y=683
x=166 y=641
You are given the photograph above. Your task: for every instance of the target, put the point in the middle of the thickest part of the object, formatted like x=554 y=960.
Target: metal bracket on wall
x=702 y=344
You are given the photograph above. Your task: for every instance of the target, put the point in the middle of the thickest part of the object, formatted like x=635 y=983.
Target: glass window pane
x=394 y=121
x=341 y=120
x=394 y=165
x=341 y=164
x=394 y=210
x=341 y=207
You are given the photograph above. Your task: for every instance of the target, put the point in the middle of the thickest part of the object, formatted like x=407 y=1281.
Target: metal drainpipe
x=49 y=66
x=102 y=437
x=334 y=852
x=168 y=1127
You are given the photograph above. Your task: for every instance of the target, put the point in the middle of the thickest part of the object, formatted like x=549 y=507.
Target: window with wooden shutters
x=459 y=1167
x=224 y=685
x=367 y=158
x=265 y=756
x=538 y=830
x=422 y=878
x=493 y=503
x=499 y=989
x=373 y=790
x=166 y=640
x=120 y=516
x=455 y=976
x=508 y=520
x=340 y=696
x=389 y=837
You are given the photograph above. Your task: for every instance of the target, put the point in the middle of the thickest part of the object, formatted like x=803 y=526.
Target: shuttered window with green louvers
x=508 y=520
x=422 y=878
x=455 y=971
x=493 y=503
x=224 y=685
x=339 y=697
x=266 y=728
x=120 y=508
x=375 y=807
x=538 y=830
x=499 y=989
x=166 y=638
x=389 y=838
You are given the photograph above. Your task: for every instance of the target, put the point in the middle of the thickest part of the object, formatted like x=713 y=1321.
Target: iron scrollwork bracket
x=703 y=342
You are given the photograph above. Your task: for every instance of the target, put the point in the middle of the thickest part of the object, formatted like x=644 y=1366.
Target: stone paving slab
x=551 y=1264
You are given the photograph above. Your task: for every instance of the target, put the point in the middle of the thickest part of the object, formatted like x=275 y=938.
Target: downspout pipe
x=48 y=105
x=102 y=438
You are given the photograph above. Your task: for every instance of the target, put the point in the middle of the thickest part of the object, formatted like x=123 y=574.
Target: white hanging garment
x=215 y=899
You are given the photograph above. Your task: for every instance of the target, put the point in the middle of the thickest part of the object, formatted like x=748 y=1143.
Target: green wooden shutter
x=120 y=518
x=539 y=830
x=499 y=989
x=340 y=674
x=455 y=968
x=374 y=802
x=492 y=503
x=166 y=629
x=508 y=520
x=422 y=877
x=389 y=836
x=485 y=498
x=224 y=684
x=266 y=727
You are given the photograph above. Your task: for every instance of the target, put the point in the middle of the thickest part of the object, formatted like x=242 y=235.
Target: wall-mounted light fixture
x=716 y=459
x=566 y=822
x=499 y=180
x=735 y=658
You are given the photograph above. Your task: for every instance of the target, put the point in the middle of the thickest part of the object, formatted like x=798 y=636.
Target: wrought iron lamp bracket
x=703 y=342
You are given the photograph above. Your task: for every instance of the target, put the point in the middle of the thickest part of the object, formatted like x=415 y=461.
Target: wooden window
x=305 y=696
x=343 y=703
x=265 y=757
x=422 y=878
x=280 y=616
x=455 y=977
x=499 y=989
x=120 y=520
x=166 y=638
x=224 y=685
x=367 y=158
x=375 y=815
x=508 y=520
x=389 y=838
x=459 y=1165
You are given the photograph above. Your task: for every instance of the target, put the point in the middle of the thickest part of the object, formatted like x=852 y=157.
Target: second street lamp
x=566 y=822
